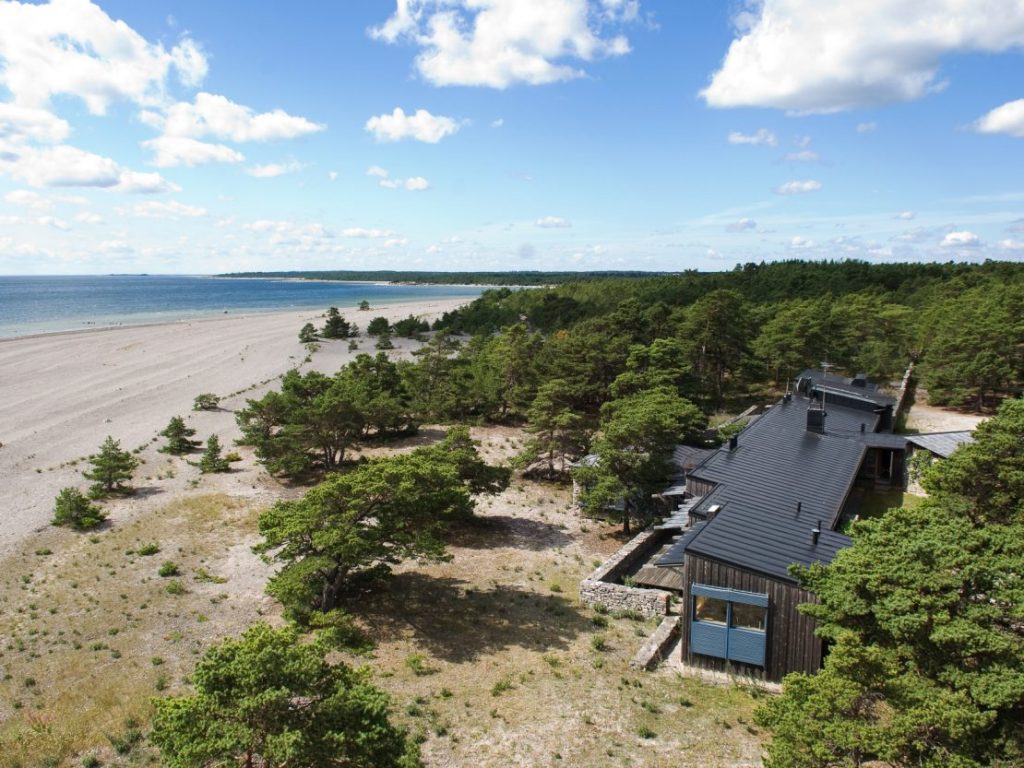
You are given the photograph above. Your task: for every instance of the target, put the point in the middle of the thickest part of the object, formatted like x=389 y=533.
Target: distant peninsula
x=449 y=278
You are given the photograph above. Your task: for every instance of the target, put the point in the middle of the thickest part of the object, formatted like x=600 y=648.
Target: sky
x=203 y=137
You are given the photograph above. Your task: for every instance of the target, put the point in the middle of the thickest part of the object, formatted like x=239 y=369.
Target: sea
x=31 y=305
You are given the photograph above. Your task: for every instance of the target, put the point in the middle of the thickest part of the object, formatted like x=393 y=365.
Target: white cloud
x=762 y=136
x=804 y=155
x=801 y=242
x=809 y=56
x=25 y=198
x=396 y=242
x=304 y=237
x=421 y=126
x=88 y=217
x=553 y=222
x=867 y=127
x=798 y=187
x=213 y=115
x=412 y=184
x=743 y=225
x=18 y=123
x=1011 y=245
x=332 y=175
x=416 y=184
x=158 y=209
x=498 y=43
x=271 y=170
x=905 y=215
x=498 y=123
x=179 y=150
x=376 y=170
x=961 y=239
x=67 y=166
x=362 y=232
x=1008 y=119
x=73 y=48
x=53 y=222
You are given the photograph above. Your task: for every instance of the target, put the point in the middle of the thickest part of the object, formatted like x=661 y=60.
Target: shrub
x=168 y=569
x=148 y=549
x=73 y=509
x=175 y=587
x=206 y=401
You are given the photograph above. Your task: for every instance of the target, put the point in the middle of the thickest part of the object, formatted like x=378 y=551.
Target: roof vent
x=788 y=397
x=860 y=381
x=713 y=510
x=733 y=442
x=862 y=427
x=815 y=533
x=816 y=420
x=799 y=506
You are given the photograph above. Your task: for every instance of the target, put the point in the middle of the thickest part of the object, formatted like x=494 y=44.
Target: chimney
x=788 y=397
x=862 y=426
x=733 y=442
x=816 y=420
x=815 y=533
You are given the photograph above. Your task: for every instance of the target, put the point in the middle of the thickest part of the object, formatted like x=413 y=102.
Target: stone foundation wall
x=656 y=647
x=602 y=588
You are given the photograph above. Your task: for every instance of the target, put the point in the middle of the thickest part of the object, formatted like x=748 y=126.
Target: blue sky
x=198 y=137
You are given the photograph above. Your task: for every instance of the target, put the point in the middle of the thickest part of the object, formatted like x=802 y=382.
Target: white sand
x=62 y=394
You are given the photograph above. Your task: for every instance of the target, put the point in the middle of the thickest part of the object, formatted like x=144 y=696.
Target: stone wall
x=656 y=647
x=602 y=588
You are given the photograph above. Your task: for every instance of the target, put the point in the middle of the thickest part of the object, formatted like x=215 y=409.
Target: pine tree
x=308 y=334
x=178 y=435
x=211 y=460
x=73 y=509
x=336 y=326
x=111 y=469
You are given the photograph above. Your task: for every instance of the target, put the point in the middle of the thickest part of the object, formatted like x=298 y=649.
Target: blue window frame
x=728 y=623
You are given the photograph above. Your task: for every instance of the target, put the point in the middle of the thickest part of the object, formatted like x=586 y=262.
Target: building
x=773 y=497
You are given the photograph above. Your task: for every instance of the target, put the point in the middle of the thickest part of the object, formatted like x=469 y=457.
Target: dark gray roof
x=843 y=384
x=941 y=443
x=776 y=464
x=884 y=440
x=686 y=457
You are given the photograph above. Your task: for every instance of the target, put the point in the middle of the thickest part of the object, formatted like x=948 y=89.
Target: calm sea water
x=45 y=304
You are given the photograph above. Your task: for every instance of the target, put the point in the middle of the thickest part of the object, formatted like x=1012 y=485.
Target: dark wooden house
x=770 y=498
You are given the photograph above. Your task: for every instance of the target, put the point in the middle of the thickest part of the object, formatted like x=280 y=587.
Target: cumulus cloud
x=158 y=209
x=803 y=155
x=553 y=222
x=271 y=170
x=905 y=215
x=798 y=187
x=362 y=232
x=18 y=123
x=67 y=166
x=412 y=184
x=1008 y=119
x=217 y=116
x=867 y=127
x=376 y=170
x=498 y=43
x=799 y=242
x=421 y=126
x=808 y=56
x=179 y=150
x=88 y=217
x=762 y=136
x=26 y=198
x=743 y=225
x=73 y=48
x=498 y=123
x=961 y=239
x=1011 y=245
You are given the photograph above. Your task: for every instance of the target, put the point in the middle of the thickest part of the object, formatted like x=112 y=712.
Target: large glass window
x=729 y=624
x=748 y=616
x=710 y=609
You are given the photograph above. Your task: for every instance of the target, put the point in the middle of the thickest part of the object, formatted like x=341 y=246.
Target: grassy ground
x=489 y=657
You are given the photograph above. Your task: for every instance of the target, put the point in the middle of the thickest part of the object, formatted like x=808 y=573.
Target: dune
x=64 y=392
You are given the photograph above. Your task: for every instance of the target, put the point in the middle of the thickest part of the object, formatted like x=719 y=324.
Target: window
x=729 y=624
x=710 y=609
x=749 y=616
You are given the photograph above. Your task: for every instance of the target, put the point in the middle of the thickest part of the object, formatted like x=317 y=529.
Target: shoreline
x=215 y=315
x=70 y=389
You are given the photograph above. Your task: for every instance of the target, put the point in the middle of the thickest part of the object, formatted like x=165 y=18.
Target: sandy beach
x=64 y=393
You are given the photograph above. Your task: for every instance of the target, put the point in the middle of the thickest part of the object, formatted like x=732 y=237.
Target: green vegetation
x=73 y=509
x=359 y=524
x=244 y=710
x=207 y=401
x=377 y=326
x=111 y=469
x=307 y=334
x=447 y=278
x=336 y=326
x=211 y=460
x=925 y=614
x=178 y=437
